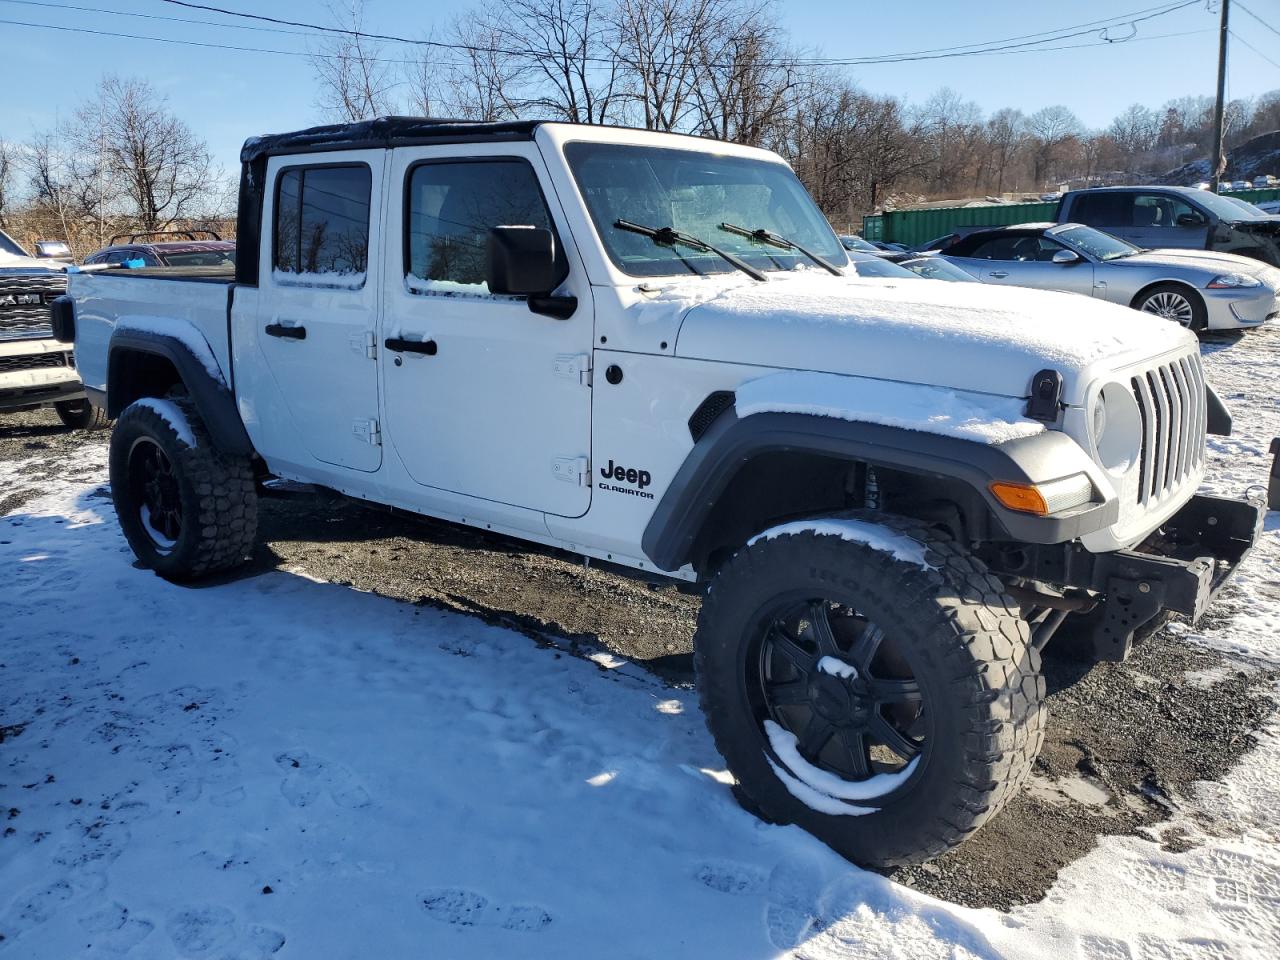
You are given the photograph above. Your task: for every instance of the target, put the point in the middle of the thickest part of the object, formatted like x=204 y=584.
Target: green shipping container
x=915 y=227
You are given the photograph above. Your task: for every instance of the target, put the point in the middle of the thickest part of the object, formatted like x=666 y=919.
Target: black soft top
x=385 y=132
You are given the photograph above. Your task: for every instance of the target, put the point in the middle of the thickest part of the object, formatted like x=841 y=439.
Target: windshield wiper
x=669 y=237
x=765 y=236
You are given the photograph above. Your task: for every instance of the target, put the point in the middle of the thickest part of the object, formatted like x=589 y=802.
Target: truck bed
x=190 y=303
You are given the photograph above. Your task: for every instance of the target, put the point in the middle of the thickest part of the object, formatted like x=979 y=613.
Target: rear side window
x=1107 y=209
x=322 y=225
x=450 y=209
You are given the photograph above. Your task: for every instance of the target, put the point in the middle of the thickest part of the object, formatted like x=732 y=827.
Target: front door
x=483 y=396
x=318 y=302
x=1162 y=221
x=1025 y=259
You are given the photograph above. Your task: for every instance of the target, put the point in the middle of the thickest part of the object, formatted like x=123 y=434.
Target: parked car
x=1270 y=207
x=1264 y=182
x=931 y=267
x=893 y=494
x=1160 y=218
x=863 y=264
x=851 y=241
x=1198 y=289
x=36 y=369
x=188 y=252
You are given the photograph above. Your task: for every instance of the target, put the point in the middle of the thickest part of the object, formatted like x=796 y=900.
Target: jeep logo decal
x=637 y=480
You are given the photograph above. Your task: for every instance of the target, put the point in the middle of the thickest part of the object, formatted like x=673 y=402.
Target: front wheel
x=867 y=679
x=1172 y=301
x=80 y=414
x=186 y=508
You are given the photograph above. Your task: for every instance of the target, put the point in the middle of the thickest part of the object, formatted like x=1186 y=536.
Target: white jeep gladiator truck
x=644 y=349
x=36 y=369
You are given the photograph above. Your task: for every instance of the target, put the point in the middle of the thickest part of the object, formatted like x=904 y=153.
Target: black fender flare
x=731 y=442
x=213 y=401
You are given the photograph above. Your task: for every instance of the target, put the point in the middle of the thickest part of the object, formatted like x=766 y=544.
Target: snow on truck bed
x=278 y=767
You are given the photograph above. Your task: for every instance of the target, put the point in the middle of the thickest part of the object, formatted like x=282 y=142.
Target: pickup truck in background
x=651 y=350
x=1160 y=218
x=36 y=369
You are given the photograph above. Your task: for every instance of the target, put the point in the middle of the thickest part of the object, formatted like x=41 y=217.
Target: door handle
x=400 y=345
x=287 y=333
x=998 y=274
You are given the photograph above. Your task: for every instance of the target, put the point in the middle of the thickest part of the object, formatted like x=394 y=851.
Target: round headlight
x=1116 y=426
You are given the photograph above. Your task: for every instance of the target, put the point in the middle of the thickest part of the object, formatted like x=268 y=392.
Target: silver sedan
x=1200 y=289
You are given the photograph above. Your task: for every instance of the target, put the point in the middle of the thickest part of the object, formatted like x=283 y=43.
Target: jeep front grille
x=1171 y=402
x=26 y=321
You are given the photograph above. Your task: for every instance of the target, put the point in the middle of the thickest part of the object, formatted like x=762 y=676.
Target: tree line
x=725 y=69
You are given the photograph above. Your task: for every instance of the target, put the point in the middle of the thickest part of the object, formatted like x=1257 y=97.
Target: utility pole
x=1218 y=161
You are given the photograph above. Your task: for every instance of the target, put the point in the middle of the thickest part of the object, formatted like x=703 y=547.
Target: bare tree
x=151 y=160
x=353 y=80
x=1051 y=129
x=8 y=173
x=750 y=83
x=1006 y=138
x=561 y=55
x=478 y=87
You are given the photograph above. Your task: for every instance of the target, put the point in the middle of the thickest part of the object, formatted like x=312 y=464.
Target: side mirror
x=1066 y=256
x=522 y=261
x=1190 y=220
x=53 y=250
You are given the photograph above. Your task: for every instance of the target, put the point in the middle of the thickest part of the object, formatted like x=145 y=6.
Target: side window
x=322 y=225
x=1108 y=208
x=1161 y=210
x=450 y=208
x=1002 y=247
x=118 y=256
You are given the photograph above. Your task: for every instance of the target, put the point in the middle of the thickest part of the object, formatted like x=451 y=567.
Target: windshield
x=857 y=243
x=1253 y=212
x=1096 y=243
x=1225 y=209
x=870 y=265
x=935 y=268
x=695 y=192
x=10 y=246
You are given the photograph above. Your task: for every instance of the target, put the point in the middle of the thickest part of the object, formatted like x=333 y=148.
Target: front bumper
x=1232 y=309
x=1177 y=569
x=33 y=372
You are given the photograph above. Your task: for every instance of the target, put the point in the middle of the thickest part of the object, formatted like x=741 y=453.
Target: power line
x=156 y=16
x=1241 y=6
x=1005 y=49
x=1239 y=39
x=1096 y=26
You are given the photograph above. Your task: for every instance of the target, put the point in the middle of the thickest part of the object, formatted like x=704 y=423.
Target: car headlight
x=1115 y=426
x=1229 y=281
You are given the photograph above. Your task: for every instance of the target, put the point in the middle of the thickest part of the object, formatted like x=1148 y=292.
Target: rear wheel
x=1174 y=302
x=80 y=414
x=186 y=508
x=866 y=679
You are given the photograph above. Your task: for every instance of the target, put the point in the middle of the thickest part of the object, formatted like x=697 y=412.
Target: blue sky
x=226 y=96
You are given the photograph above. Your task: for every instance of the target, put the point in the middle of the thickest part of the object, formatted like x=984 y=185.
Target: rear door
x=483 y=396
x=318 y=302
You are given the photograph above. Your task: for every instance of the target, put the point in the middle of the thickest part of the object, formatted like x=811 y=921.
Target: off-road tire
x=219 y=504
x=80 y=415
x=974 y=661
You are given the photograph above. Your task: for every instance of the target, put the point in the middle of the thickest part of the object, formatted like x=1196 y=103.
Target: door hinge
x=368 y=431
x=574 y=366
x=575 y=470
x=370 y=345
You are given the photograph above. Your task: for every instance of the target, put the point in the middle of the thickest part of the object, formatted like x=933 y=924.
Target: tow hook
x=1273 y=483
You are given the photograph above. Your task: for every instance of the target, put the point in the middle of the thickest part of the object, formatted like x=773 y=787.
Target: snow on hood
x=10 y=262
x=964 y=336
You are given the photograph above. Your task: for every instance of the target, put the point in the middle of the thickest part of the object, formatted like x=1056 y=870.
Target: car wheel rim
x=158 y=496
x=1171 y=306
x=833 y=680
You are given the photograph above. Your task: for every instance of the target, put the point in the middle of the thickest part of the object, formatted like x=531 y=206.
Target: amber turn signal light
x=1022 y=497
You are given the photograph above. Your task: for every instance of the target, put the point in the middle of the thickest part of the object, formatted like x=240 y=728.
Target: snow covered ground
x=278 y=767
